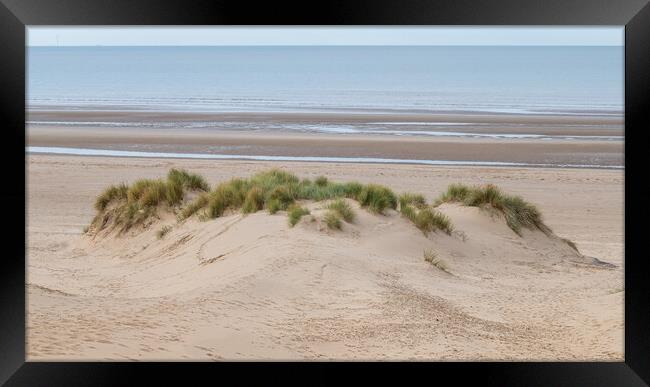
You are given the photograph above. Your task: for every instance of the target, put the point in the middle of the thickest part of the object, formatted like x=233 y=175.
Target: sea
x=581 y=80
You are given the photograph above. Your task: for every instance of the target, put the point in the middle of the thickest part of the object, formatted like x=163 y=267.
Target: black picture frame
x=15 y=15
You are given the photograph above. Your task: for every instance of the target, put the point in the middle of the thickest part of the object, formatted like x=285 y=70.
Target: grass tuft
x=276 y=190
x=125 y=206
x=110 y=194
x=410 y=199
x=408 y=212
x=454 y=193
x=377 y=198
x=429 y=220
x=332 y=220
x=273 y=206
x=321 y=181
x=343 y=209
x=284 y=196
x=517 y=212
x=431 y=257
x=295 y=213
x=193 y=207
x=189 y=181
x=414 y=208
x=254 y=200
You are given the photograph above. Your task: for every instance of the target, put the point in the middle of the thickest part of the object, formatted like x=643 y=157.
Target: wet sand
x=187 y=140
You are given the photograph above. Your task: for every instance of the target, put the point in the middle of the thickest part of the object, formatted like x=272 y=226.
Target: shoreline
x=450 y=121
x=207 y=156
x=257 y=143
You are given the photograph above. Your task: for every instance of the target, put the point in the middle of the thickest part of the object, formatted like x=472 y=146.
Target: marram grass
x=295 y=213
x=414 y=207
x=342 y=207
x=517 y=212
x=124 y=206
x=332 y=220
x=431 y=257
x=277 y=190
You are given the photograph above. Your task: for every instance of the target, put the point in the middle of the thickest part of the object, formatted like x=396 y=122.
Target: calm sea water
x=570 y=80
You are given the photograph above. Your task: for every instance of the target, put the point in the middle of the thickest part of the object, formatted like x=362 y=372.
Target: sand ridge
x=252 y=287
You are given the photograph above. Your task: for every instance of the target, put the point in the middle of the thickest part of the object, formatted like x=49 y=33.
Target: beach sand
x=264 y=143
x=253 y=288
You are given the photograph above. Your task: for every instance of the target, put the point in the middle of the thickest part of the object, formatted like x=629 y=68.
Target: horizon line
x=327 y=45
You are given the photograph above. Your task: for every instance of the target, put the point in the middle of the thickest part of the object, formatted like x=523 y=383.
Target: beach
x=299 y=294
x=428 y=202
x=540 y=140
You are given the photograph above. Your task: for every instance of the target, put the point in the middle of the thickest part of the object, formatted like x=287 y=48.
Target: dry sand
x=253 y=288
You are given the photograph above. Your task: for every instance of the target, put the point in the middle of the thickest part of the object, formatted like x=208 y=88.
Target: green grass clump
x=137 y=189
x=431 y=257
x=408 y=212
x=163 y=230
x=411 y=199
x=273 y=206
x=274 y=190
x=284 y=195
x=273 y=178
x=321 y=181
x=352 y=189
x=520 y=213
x=129 y=215
x=332 y=220
x=113 y=192
x=194 y=206
x=517 y=212
x=414 y=207
x=343 y=209
x=125 y=206
x=254 y=200
x=189 y=181
x=377 y=198
x=429 y=220
x=454 y=193
x=150 y=192
x=487 y=194
x=227 y=195
x=157 y=191
x=295 y=213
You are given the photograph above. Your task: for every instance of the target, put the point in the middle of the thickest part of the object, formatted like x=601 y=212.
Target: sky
x=259 y=35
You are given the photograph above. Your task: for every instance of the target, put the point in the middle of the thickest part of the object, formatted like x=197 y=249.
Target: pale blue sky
x=254 y=35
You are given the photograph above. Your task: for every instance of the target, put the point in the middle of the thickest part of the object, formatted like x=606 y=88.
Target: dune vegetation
x=414 y=207
x=295 y=213
x=433 y=258
x=343 y=209
x=124 y=206
x=277 y=190
x=518 y=213
x=333 y=220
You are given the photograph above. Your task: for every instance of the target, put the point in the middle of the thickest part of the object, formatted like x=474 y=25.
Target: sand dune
x=252 y=287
